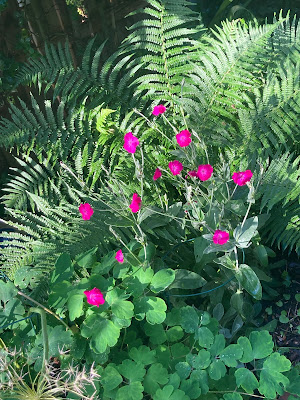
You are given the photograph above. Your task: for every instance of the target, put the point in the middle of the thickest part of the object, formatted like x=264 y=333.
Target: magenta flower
x=157 y=174
x=175 y=167
x=241 y=178
x=86 y=211
x=160 y=109
x=220 y=237
x=119 y=256
x=204 y=172
x=94 y=297
x=130 y=142
x=193 y=173
x=136 y=203
x=183 y=138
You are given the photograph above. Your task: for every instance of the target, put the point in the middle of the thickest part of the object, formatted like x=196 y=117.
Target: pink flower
x=193 y=173
x=136 y=203
x=183 y=138
x=130 y=142
x=175 y=167
x=160 y=109
x=119 y=256
x=241 y=178
x=220 y=237
x=94 y=297
x=86 y=211
x=204 y=172
x=157 y=174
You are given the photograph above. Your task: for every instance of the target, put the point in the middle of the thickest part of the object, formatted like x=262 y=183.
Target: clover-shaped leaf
x=134 y=391
x=156 y=375
x=120 y=307
x=143 y=355
x=168 y=393
x=245 y=378
x=153 y=308
x=162 y=279
x=272 y=381
x=134 y=371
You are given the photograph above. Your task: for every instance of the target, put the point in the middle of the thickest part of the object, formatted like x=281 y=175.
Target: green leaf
x=245 y=378
x=218 y=346
x=168 y=393
x=63 y=269
x=200 y=245
x=156 y=375
x=153 y=307
x=205 y=337
x=262 y=344
x=191 y=388
x=110 y=378
x=134 y=371
x=162 y=279
x=218 y=311
x=156 y=333
x=189 y=319
x=272 y=381
x=120 y=307
x=244 y=234
x=102 y=331
x=261 y=254
x=59 y=294
x=247 y=349
x=249 y=281
x=134 y=391
x=231 y=354
x=143 y=355
x=179 y=350
x=88 y=258
x=183 y=369
x=26 y=276
x=7 y=291
x=75 y=305
x=174 y=334
x=217 y=370
x=202 y=378
x=232 y=396
x=185 y=279
x=201 y=360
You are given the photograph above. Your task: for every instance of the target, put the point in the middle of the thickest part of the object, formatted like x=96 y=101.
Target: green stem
x=232 y=391
x=44 y=333
x=44 y=308
x=246 y=215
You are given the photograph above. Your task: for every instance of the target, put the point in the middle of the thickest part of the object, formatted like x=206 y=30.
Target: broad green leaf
x=174 y=380
x=201 y=377
x=201 y=360
x=183 y=369
x=261 y=254
x=231 y=354
x=88 y=258
x=217 y=370
x=156 y=333
x=102 y=331
x=173 y=317
x=120 y=307
x=134 y=371
x=218 y=311
x=143 y=355
x=156 y=375
x=26 y=276
x=218 y=345
x=153 y=308
x=59 y=294
x=75 y=305
x=247 y=349
x=163 y=355
x=189 y=319
x=106 y=264
x=249 y=281
x=272 y=381
x=200 y=245
x=262 y=344
x=215 y=248
x=205 y=337
x=168 y=393
x=134 y=391
x=179 y=350
x=185 y=279
x=243 y=234
x=246 y=379
x=191 y=388
x=63 y=269
x=110 y=378
x=162 y=279
x=174 y=334
x=7 y=291
x=150 y=252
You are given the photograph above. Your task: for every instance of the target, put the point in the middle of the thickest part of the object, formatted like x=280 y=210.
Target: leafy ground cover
x=152 y=190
